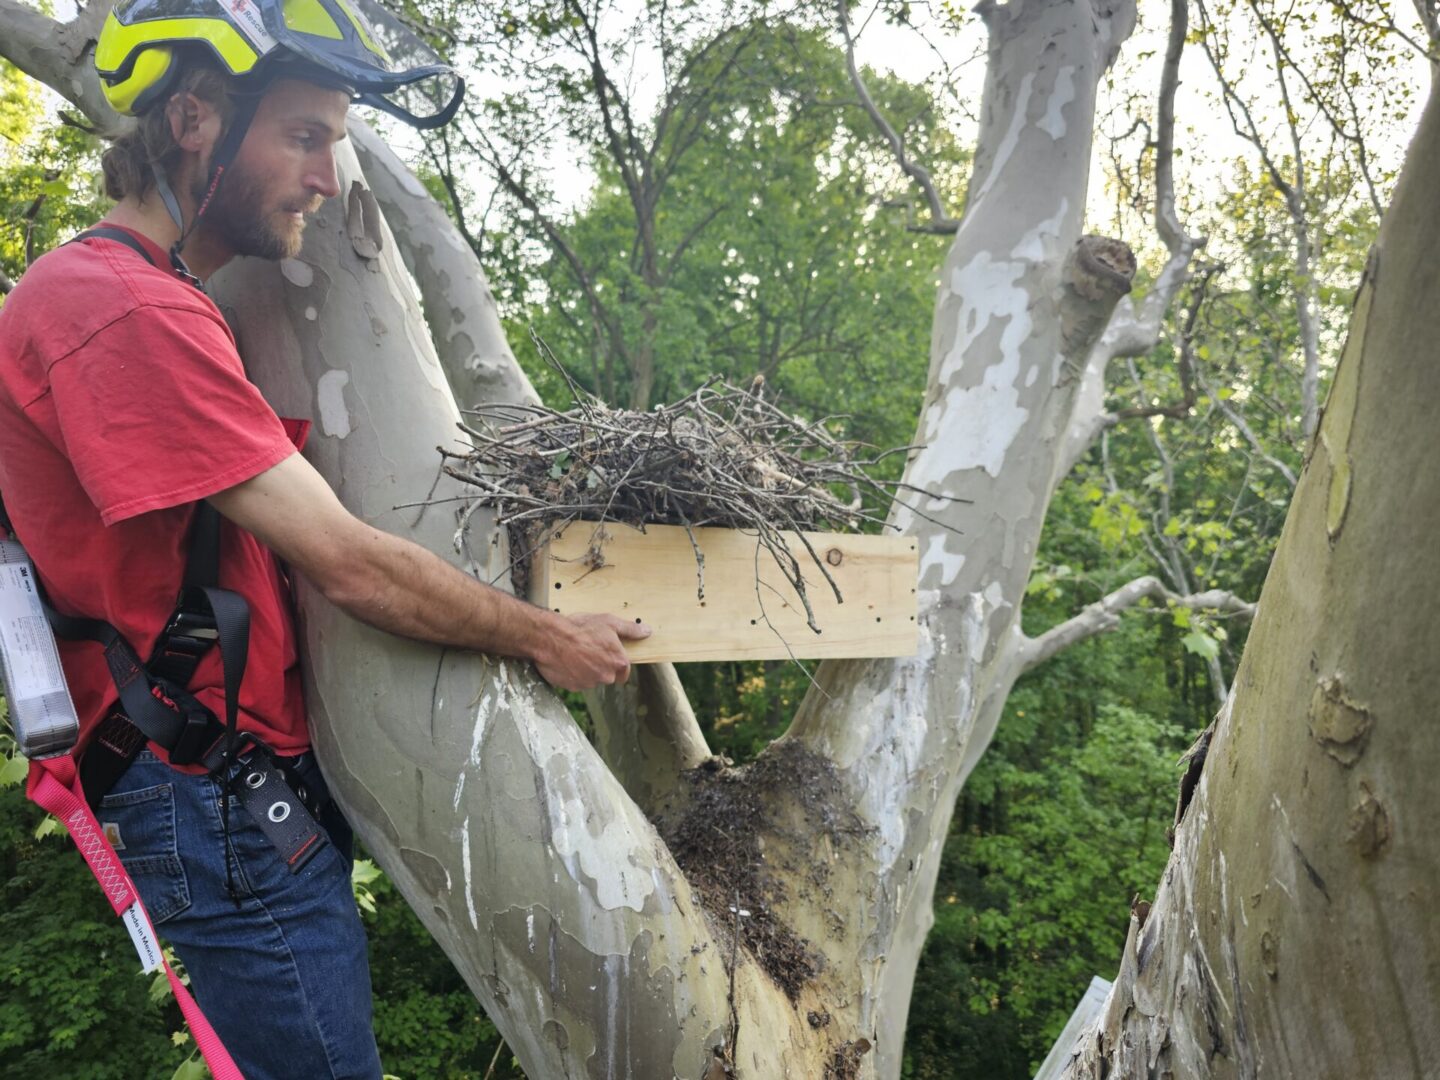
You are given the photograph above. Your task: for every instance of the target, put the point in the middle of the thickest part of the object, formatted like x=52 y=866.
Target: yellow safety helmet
x=345 y=43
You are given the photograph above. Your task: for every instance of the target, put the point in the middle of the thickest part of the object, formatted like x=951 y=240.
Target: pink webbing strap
x=55 y=785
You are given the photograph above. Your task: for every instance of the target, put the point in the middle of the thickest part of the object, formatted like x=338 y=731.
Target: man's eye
x=306 y=142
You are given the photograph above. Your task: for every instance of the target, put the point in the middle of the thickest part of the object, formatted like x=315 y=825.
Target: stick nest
x=721 y=456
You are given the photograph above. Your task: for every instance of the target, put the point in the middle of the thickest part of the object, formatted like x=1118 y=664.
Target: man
x=123 y=405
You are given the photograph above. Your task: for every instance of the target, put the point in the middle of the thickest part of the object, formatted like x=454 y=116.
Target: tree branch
x=1104 y=615
x=1135 y=331
x=941 y=222
x=646 y=732
x=1246 y=432
x=50 y=52
x=557 y=240
x=604 y=91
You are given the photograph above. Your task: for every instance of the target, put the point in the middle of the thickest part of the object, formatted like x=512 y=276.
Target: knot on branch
x=1097 y=274
x=1100 y=268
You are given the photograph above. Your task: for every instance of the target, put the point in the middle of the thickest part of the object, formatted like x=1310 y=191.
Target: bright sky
x=1207 y=140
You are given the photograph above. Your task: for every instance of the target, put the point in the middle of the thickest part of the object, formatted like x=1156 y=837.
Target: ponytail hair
x=130 y=161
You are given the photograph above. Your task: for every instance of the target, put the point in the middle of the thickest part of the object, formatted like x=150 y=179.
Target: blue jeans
x=282 y=975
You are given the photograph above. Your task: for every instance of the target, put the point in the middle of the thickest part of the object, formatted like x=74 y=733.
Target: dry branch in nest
x=721 y=456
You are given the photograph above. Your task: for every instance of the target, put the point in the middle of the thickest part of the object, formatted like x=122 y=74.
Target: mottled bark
x=464 y=324
x=459 y=306
x=1293 y=933
x=1021 y=302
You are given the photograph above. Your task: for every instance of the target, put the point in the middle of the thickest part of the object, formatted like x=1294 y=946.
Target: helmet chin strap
x=223 y=157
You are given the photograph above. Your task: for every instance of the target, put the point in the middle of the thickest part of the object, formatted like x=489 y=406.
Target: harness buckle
x=191 y=629
x=199 y=734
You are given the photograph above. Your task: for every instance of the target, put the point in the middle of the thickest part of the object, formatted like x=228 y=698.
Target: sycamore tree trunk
x=1294 y=932
x=631 y=908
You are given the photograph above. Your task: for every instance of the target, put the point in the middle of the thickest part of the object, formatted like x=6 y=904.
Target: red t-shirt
x=123 y=401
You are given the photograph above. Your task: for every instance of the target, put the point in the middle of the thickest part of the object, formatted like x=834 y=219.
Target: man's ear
x=194 y=123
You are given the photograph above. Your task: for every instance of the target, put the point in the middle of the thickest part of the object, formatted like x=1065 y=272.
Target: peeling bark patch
x=977 y=424
x=1270 y=954
x=1011 y=139
x=936 y=554
x=298 y=272
x=1053 y=122
x=1369 y=825
x=716 y=840
x=1338 y=723
x=555 y=1032
x=362 y=222
x=330 y=397
x=1338 y=502
x=428 y=870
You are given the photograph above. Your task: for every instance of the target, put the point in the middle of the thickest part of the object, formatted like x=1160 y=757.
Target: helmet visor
x=377 y=56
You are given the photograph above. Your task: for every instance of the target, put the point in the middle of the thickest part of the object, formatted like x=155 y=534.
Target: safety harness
x=156 y=704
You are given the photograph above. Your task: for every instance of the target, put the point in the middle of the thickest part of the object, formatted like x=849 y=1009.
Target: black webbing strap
x=110 y=232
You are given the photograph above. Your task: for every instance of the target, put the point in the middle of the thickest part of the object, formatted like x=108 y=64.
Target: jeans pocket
x=140 y=826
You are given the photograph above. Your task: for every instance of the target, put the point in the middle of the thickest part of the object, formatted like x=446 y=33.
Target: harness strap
x=110 y=232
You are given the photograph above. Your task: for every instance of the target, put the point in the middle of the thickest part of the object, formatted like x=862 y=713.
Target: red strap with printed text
x=54 y=784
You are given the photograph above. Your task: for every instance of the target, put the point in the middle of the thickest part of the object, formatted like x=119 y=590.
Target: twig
x=720 y=456
x=490 y=1072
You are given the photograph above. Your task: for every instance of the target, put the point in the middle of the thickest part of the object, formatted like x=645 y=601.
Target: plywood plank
x=749 y=611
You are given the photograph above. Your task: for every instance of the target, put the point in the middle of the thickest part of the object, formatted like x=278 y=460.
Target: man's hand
x=591 y=654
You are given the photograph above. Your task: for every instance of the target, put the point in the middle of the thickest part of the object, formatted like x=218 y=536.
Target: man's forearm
x=400 y=587
x=397 y=586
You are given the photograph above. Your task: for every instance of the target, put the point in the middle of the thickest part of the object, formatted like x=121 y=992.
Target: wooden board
x=651 y=577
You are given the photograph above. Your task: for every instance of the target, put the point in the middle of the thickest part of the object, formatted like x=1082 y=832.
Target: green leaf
x=1201 y=644
x=193 y=1069
x=13 y=771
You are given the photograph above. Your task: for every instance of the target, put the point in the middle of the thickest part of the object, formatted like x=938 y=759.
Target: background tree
x=47 y=176
x=1310 y=812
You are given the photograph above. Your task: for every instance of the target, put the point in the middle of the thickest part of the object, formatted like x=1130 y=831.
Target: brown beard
x=238 y=215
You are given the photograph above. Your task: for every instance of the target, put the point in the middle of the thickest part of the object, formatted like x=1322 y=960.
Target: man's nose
x=322 y=178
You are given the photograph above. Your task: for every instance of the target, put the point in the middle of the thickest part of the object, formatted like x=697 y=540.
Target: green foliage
x=427 y=1023
x=73 y=1003
x=1062 y=822
x=777 y=252
x=48 y=175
